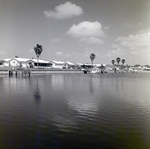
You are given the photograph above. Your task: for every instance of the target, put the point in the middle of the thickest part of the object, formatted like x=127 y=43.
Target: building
x=59 y=64
x=41 y=63
x=70 y=65
x=25 y=62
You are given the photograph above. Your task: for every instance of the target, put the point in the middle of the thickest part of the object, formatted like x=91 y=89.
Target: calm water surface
x=75 y=111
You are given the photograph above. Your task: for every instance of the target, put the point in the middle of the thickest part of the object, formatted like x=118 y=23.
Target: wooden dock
x=19 y=71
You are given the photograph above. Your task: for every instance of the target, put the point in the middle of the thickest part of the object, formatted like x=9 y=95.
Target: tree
x=123 y=61
x=118 y=60
x=92 y=57
x=16 y=56
x=113 y=62
x=38 y=50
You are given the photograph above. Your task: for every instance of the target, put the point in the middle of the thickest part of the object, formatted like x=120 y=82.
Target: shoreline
x=5 y=71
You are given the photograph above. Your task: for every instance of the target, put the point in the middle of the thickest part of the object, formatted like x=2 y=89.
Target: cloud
x=64 y=11
x=93 y=40
x=115 y=52
x=143 y=31
x=86 y=29
x=114 y=45
x=55 y=40
x=59 y=53
x=126 y=25
x=106 y=28
x=135 y=47
x=62 y=54
x=138 y=40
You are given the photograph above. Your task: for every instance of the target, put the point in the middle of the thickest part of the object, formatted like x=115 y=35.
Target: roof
x=7 y=59
x=40 y=61
x=58 y=62
x=22 y=59
x=69 y=63
x=18 y=59
x=25 y=60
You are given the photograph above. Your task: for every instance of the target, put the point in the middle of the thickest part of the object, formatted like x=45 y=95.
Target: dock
x=19 y=71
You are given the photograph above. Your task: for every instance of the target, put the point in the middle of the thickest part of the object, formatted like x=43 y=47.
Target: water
x=75 y=111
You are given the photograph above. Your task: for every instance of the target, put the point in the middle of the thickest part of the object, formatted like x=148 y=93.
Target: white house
x=25 y=62
x=70 y=65
x=59 y=64
x=41 y=63
x=20 y=62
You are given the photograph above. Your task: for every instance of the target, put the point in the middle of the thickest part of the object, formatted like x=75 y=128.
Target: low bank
x=5 y=71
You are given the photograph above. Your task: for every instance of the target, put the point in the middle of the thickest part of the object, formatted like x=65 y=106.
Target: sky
x=72 y=30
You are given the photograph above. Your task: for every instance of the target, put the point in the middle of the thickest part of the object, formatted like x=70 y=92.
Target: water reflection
x=105 y=111
x=57 y=81
x=37 y=94
x=84 y=98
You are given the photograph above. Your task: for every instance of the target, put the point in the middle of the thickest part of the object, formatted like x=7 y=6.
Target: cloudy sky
x=72 y=30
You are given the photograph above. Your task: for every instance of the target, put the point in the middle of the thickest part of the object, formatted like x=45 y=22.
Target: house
x=70 y=65
x=25 y=62
x=89 y=66
x=17 y=62
x=41 y=63
x=59 y=64
x=146 y=67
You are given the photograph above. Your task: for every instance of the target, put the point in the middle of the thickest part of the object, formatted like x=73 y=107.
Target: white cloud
x=114 y=45
x=55 y=40
x=106 y=28
x=86 y=29
x=64 y=11
x=93 y=40
x=59 y=53
x=62 y=54
x=138 y=40
x=83 y=39
x=143 y=31
x=127 y=25
x=115 y=52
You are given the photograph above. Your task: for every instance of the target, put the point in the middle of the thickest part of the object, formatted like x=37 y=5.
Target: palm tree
x=123 y=61
x=92 y=57
x=118 y=60
x=38 y=50
x=16 y=56
x=113 y=62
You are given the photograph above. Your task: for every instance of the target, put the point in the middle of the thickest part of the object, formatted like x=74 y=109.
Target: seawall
x=5 y=71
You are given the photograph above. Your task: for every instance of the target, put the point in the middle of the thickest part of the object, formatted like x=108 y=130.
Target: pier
x=19 y=71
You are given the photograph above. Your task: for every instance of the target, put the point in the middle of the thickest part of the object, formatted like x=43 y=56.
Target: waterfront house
x=146 y=67
x=25 y=62
x=41 y=63
x=70 y=65
x=59 y=64
x=17 y=62
x=6 y=62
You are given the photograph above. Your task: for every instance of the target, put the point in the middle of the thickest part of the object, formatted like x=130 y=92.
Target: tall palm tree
x=118 y=60
x=113 y=62
x=38 y=50
x=92 y=57
x=123 y=61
